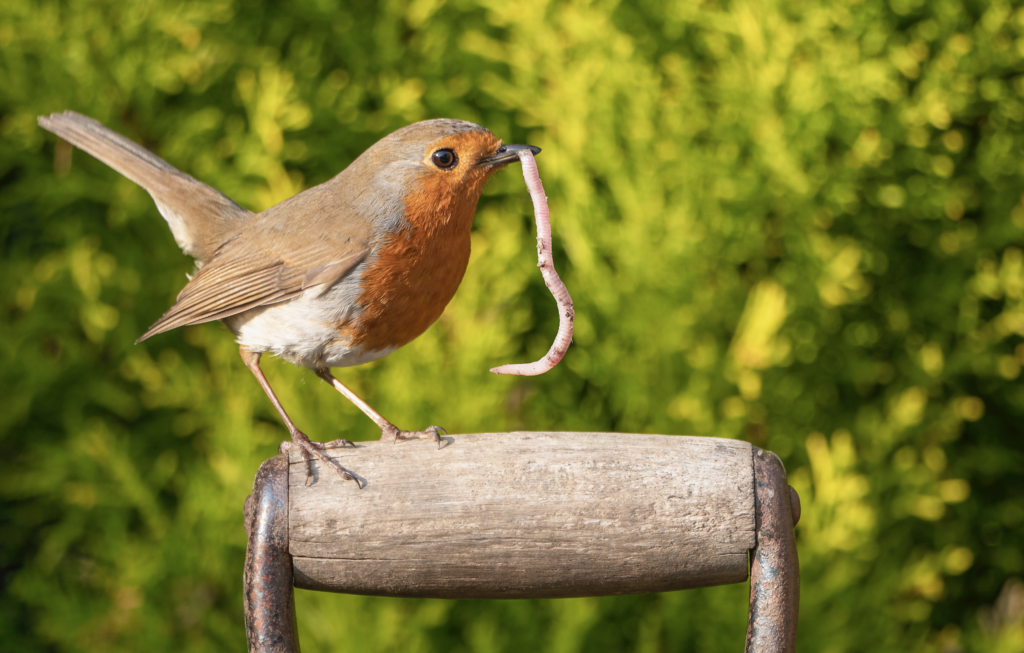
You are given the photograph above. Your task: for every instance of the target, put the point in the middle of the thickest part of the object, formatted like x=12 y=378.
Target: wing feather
x=236 y=281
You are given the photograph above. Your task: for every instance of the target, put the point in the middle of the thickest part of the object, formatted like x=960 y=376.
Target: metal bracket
x=774 y=574
x=269 y=599
x=775 y=569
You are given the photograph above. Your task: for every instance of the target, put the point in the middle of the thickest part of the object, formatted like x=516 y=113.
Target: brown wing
x=241 y=277
x=200 y=217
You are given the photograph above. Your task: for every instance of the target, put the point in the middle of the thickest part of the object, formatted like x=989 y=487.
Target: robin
x=341 y=274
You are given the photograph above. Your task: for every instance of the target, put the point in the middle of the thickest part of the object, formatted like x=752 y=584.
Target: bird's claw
x=312 y=449
x=340 y=442
x=392 y=432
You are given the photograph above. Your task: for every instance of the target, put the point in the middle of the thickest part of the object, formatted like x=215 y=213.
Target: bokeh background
x=799 y=223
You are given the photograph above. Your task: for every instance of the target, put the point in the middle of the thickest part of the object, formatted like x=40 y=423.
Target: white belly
x=303 y=329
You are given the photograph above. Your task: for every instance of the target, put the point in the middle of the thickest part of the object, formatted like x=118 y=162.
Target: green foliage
x=796 y=223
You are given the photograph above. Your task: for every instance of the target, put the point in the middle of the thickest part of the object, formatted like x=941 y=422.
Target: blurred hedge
x=798 y=223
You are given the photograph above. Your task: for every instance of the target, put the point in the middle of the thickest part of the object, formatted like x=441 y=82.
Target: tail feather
x=200 y=217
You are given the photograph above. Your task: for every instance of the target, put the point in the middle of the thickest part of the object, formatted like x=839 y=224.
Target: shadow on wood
x=525 y=515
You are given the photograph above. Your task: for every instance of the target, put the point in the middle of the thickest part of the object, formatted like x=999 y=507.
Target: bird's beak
x=506 y=154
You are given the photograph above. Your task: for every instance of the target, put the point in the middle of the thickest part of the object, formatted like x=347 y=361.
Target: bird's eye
x=445 y=159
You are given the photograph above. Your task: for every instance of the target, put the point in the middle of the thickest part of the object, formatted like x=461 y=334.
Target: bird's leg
x=388 y=431
x=299 y=439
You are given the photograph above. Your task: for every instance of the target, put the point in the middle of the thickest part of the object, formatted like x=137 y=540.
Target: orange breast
x=418 y=269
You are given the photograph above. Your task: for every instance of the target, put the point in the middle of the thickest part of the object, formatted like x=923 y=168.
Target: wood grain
x=525 y=515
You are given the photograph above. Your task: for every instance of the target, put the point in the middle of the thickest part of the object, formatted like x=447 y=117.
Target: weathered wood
x=525 y=515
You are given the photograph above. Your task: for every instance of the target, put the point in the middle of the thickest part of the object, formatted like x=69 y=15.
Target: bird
x=340 y=274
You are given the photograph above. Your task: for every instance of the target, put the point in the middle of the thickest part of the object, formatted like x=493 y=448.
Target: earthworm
x=566 y=315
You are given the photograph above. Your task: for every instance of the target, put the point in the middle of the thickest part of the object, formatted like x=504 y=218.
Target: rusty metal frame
x=270 y=624
x=775 y=568
x=774 y=573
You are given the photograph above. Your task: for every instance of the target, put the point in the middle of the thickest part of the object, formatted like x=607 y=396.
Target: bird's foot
x=312 y=449
x=392 y=433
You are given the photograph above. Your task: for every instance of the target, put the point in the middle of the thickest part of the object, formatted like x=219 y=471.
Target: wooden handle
x=525 y=515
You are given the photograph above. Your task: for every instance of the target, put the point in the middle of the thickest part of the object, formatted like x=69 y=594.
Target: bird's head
x=437 y=167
